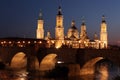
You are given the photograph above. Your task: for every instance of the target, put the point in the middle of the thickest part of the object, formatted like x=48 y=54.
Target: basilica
x=74 y=38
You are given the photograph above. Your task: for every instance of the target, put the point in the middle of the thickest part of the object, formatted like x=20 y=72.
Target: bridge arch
x=88 y=67
x=19 y=61
x=48 y=62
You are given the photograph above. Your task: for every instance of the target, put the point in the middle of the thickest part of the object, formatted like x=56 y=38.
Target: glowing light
x=53 y=42
x=68 y=42
x=40 y=42
x=10 y=42
x=48 y=41
x=57 y=47
x=79 y=41
x=21 y=79
x=59 y=62
x=34 y=41
x=4 y=41
x=28 y=42
x=85 y=42
x=21 y=46
x=58 y=44
x=23 y=41
x=18 y=42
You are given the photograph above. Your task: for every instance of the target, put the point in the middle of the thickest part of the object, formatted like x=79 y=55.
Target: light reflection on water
x=21 y=79
x=87 y=77
x=103 y=74
x=104 y=70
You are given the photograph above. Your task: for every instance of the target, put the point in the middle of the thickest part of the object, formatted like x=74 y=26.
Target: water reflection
x=103 y=73
x=21 y=79
x=104 y=70
x=41 y=78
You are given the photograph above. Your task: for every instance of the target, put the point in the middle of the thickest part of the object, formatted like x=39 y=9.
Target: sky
x=18 y=18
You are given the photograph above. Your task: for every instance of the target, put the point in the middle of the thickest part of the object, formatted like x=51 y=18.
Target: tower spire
x=59 y=11
x=83 y=21
x=73 y=23
x=40 y=15
x=59 y=2
x=103 y=18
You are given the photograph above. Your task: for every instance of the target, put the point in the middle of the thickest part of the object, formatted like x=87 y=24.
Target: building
x=74 y=38
x=40 y=29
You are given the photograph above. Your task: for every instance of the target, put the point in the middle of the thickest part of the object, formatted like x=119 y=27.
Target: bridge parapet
x=21 y=42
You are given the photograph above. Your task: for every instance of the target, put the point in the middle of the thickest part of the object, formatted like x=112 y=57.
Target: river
x=104 y=70
x=102 y=75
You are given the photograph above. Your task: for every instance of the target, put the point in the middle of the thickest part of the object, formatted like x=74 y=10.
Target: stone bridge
x=65 y=55
x=37 y=57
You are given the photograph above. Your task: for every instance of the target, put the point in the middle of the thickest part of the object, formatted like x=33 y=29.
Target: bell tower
x=103 y=34
x=83 y=30
x=59 y=29
x=40 y=29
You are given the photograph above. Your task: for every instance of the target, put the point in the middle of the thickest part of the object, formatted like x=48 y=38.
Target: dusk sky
x=18 y=18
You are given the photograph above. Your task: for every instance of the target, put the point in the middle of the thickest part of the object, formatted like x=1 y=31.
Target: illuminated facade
x=59 y=29
x=103 y=34
x=40 y=29
x=74 y=38
x=73 y=31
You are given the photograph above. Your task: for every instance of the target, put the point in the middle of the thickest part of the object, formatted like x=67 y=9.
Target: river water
x=103 y=74
x=104 y=70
